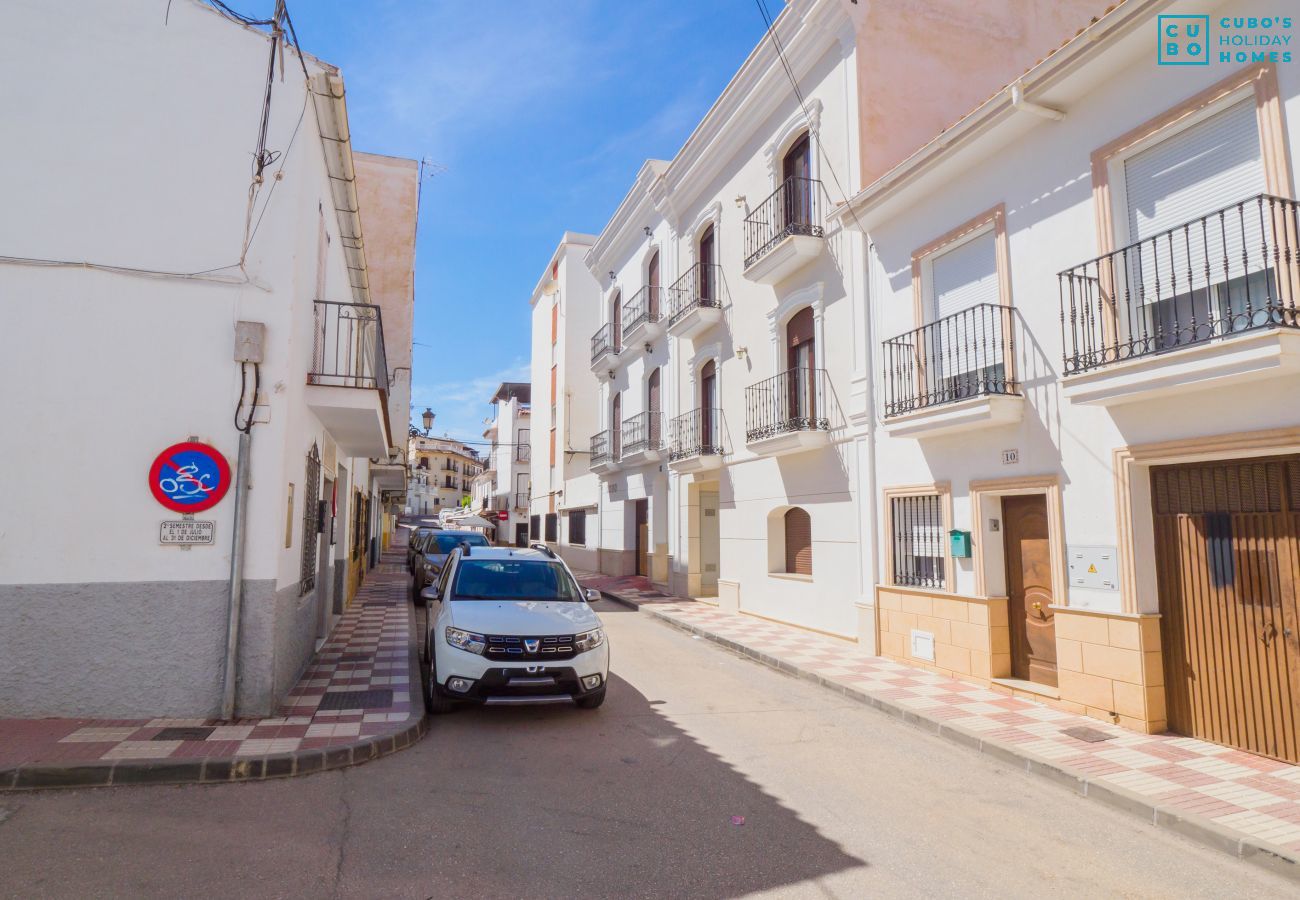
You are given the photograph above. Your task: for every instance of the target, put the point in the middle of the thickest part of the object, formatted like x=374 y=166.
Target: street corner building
x=180 y=276
x=987 y=361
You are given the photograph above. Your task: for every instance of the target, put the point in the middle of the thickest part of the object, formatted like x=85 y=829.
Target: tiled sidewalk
x=1238 y=801
x=358 y=699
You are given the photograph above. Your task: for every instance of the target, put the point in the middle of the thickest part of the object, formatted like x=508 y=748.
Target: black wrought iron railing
x=602 y=450
x=1231 y=271
x=523 y=453
x=603 y=342
x=967 y=354
x=795 y=400
x=696 y=433
x=793 y=208
x=348 y=346
x=521 y=500
x=644 y=431
x=644 y=307
x=698 y=287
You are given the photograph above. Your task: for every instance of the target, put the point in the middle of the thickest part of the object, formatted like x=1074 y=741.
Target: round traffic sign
x=189 y=477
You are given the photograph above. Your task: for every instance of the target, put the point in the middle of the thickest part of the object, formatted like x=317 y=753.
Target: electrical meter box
x=1094 y=567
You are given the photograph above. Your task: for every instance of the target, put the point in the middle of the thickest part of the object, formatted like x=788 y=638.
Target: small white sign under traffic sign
x=186 y=532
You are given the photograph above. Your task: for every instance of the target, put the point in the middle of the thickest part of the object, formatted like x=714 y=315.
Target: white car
x=511 y=626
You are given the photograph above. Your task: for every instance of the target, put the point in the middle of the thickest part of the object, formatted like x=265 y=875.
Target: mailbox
x=960 y=544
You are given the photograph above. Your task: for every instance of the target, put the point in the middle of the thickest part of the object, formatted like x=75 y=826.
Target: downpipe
x=236 y=600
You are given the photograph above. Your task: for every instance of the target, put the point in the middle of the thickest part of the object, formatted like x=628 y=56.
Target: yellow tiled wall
x=1109 y=666
x=971 y=638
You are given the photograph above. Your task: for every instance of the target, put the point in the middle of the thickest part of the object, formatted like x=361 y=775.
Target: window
x=552 y=527
x=616 y=320
x=552 y=446
x=534 y=527
x=578 y=527
x=310 y=521
x=553 y=380
x=919 y=555
x=964 y=351
x=555 y=321
x=798 y=542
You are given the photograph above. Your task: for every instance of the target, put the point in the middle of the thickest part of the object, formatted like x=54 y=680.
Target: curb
x=223 y=770
x=1200 y=829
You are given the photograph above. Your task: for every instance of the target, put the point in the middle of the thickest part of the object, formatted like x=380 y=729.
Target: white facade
x=116 y=344
x=509 y=467
x=565 y=311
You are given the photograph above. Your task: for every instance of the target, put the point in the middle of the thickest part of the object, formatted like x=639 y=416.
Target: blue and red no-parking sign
x=189 y=477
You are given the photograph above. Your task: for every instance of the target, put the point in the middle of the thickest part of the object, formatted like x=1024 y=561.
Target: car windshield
x=513 y=579
x=445 y=543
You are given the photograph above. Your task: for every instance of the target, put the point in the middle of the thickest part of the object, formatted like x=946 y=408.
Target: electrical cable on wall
x=248 y=423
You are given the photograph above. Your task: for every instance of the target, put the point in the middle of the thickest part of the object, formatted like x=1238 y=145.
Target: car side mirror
x=592 y=595
x=429 y=593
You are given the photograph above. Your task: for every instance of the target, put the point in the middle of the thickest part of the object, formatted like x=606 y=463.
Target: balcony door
x=652 y=288
x=615 y=426
x=1196 y=282
x=616 y=321
x=801 y=357
x=963 y=343
x=652 y=404
x=708 y=403
x=705 y=286
x=797 y=199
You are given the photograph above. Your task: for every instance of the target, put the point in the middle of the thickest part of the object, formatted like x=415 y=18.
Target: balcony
x=1210 y=302
x=953 y=374
x=605 y=346
x=643 y=440
x=784 y=232
x=694 y=301
x=348 y=380
x=788 y=413
x=695 y=441
x=604 y=453
x=523 y=453
x=521 y=500
x=643 y=320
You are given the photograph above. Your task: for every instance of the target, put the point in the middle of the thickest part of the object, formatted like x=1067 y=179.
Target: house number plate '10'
x=187 y=531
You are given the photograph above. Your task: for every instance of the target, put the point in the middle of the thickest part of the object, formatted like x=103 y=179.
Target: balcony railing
x=523 y=453
x=1232 y=271
x=697 y=287
x=644 y=431
x=602 y=451
x=696 y=433
x=348 y=346
x=793 y=208
x=521 y=500
x=964 y=355
x=644 y=307
x=795 y=400
x=603 y=342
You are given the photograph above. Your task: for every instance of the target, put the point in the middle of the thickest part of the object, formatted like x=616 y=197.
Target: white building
x=506 y=483
x=1085 y=309
x=126 y=275
x=565 y=491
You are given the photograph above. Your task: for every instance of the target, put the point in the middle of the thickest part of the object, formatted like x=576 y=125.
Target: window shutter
x=1188 y=175
x=965 y=275
x=798 y=542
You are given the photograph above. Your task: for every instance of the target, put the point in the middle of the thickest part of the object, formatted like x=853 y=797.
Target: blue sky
x=542 y=112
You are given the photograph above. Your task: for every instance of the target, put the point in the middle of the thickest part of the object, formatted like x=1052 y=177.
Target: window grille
x=310 y=522
x=917 y=529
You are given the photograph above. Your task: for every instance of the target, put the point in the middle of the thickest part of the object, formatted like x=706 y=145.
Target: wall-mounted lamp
x=611 y=374
x=648 y=347
x=647 y=230
x=741 y=200
x=611 y=275
x=742 y=352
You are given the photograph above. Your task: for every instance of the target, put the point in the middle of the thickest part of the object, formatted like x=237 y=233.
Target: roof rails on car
x=464 y=545
x=542 y=548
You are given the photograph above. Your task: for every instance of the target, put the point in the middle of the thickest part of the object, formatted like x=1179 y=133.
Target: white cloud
x=461 y=404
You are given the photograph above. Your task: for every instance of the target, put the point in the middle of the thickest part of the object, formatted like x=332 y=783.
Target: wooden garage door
x=1228 y=557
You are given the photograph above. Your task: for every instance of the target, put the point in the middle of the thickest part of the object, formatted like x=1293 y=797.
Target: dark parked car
x=434 y=549
x=415 y=546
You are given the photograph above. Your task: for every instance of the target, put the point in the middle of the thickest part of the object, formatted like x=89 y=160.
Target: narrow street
x=635 y=799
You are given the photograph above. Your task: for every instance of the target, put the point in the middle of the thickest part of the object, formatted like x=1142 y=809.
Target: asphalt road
x=635 y=799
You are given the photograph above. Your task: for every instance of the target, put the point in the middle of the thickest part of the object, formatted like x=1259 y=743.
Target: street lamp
x=428 y=420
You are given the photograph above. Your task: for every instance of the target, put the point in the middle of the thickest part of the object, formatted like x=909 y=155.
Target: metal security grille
x=310 y=522
x=534 y=527
x=917 y=528
x=578 y=527
x=552 y=527
x=798 y=542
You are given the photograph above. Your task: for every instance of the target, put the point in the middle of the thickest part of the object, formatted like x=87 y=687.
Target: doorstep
x=370 y=652
x=1246 y=805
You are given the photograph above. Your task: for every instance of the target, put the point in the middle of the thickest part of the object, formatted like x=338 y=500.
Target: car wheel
x=434 y=703
x=592 y=700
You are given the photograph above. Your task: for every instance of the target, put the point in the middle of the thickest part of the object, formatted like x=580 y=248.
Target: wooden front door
x=1228 y=576
x=652 y=285
x=796 y=169
x=705 y=288
x=802 y=361
x=642 y=511
x=1029 y=588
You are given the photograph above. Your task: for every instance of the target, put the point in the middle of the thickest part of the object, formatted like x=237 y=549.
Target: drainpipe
x=236 y=575
x=1018 y=101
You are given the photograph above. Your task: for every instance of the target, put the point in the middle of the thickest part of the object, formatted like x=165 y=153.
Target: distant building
x=442 y=470
x=503 y=496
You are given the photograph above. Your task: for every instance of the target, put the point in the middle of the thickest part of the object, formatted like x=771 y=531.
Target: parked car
x=511 y=626
x=415 y=545
x=433 y=551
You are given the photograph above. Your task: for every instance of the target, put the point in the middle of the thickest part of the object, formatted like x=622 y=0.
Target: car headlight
x=466 y=640
x=589 y=640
